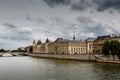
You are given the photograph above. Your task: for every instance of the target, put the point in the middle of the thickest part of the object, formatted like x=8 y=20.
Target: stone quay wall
x=84 y=57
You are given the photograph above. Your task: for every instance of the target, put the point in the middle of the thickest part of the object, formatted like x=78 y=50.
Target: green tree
x=114 y=45
x=31 y=49
x=118 y=52
x=106 y=49
x=111 y=48
x=2 y=50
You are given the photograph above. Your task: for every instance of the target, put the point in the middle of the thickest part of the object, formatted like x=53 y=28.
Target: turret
x=34 y=42
x=39 y=42
x=47 y=40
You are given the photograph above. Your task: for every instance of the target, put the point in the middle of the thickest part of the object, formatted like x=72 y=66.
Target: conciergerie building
x=65 y=46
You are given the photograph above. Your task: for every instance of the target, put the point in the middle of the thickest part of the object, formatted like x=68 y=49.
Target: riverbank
x=80 y=57
x=83 y=57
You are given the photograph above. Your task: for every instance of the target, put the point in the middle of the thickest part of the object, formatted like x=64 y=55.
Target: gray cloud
x=81 y=5
x=99 y=5
x=14 y=32
x=53 y=3
x=89 y=25
x=107 y=4
x=85 y=20
x=28 y=17
x=36 y=20
x=9 y=25
x=75 y=5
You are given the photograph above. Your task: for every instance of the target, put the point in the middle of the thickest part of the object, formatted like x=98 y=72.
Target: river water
x=29 y=68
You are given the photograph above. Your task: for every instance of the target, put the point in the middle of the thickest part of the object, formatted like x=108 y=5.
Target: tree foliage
x=2 y=50
x=31 y=49
x=111 y=48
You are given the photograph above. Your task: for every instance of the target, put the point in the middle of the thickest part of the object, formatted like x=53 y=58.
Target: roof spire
x=47 y=40
x=74 y=36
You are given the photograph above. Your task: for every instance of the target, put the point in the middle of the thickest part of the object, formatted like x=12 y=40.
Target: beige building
x=99 y=41
x=89 y=45
x=29 y=49
x=61 y=46
x=65 y=46
x=39 y=47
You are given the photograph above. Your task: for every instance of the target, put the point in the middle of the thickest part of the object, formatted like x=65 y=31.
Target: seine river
x=29 y=68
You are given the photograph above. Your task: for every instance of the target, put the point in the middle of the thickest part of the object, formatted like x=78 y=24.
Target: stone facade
x=70 y=46
x=99 y=41
x=28 y=49
x=62 y=46
x=89 y=45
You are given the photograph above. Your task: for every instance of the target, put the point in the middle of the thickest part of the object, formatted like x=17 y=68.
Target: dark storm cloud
x=107 y=4
x=75 y=5
x=81 y=5
x=99 y=5
x=53 y=3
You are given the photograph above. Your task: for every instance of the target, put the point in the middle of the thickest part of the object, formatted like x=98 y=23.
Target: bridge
x=2 y=54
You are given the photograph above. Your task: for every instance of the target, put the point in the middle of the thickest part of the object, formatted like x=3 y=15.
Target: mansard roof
x=108 y=37
x=61 y=40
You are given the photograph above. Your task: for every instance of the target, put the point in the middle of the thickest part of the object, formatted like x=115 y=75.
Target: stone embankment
x=81 y=57
x=84 y=57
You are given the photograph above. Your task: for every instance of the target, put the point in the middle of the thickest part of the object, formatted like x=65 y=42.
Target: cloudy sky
x=22 y=21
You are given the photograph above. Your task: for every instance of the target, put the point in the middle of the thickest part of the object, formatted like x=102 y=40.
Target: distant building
x=21 y=49
x=61 y=46
x=65 y=46
x=89 y=45
x=99 y=41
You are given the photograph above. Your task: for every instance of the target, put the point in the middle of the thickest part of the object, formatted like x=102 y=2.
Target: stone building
x=64 y=46
x=39 y=47
x=99 y=41
x=89 y=45
x=29 y=49
x=61 y=46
